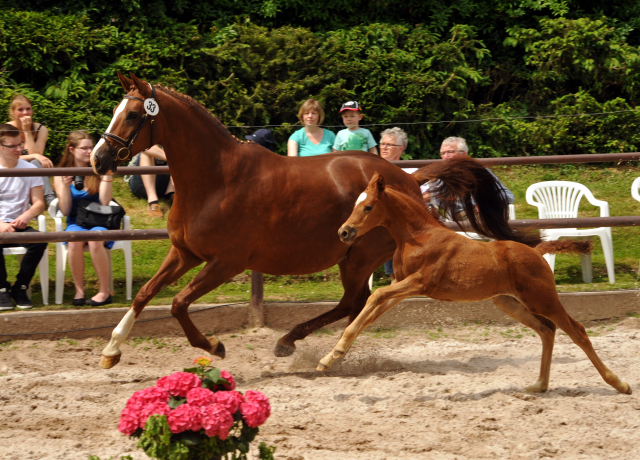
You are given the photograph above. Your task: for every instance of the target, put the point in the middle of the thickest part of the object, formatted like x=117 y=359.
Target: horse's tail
x=464 y=179
x=565 y=247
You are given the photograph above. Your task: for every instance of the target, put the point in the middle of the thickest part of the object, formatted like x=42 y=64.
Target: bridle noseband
x=124 y=152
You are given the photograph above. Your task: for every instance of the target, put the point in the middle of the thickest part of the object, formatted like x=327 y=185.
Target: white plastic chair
x=43 y=266
x=635 y=188
x=62 y=252
x=561 y=200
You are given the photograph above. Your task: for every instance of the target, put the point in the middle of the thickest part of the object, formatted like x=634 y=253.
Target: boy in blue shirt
x=354 y=137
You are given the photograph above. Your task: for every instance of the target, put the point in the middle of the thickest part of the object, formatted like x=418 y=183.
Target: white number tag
x=151 y=106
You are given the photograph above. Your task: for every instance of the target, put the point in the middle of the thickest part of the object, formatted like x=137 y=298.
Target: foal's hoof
x=282 y=350
x=321 y=367
x=628 y=390
x=107 y=362
x=217 y=349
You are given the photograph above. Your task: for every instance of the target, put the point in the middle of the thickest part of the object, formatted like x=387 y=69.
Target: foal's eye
x=132 y=115
x=368 y=208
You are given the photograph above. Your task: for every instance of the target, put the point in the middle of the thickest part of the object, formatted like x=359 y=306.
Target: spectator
x=456 y=147
x=354 y=137
x=263 y=137
x=393 y=142
x=70 y=191
x=34 y=135
x=15 y=214
x=312 y=139
x=152 y=186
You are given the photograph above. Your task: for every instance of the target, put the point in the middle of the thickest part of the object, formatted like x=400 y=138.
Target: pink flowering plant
x=196 y=414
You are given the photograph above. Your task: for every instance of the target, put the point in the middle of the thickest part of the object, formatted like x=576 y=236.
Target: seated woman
x=312 y=139
x=93 y=188
x=34 y=135
x=152 y=186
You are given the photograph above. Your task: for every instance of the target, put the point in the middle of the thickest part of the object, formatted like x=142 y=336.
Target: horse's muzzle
x=102 y=161
x=347 y=233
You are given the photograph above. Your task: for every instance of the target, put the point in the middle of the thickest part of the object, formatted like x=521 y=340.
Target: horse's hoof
x=282 y=351
x=535 y=388
x=107 y=362
x=219 y=351
x=628 y=390
x=321 y=367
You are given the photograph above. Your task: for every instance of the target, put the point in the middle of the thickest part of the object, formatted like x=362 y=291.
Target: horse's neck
x=198 y=147
x=406 y=217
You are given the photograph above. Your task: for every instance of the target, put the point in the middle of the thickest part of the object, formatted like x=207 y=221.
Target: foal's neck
x=406 y=215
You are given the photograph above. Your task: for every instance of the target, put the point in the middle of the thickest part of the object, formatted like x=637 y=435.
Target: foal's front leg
x=379 y=302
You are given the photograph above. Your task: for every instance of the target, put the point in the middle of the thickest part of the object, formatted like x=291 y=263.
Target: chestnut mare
x=434 y=261
x=239 y=206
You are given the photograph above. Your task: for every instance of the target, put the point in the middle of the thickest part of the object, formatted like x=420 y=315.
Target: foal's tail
x=565 y=247
x=465 y=180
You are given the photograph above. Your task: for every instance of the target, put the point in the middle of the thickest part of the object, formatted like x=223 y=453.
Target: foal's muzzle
x=347 y=233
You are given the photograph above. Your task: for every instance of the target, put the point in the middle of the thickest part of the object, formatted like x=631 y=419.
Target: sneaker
x=155 y=211
x=19 y=294
x=5 y=300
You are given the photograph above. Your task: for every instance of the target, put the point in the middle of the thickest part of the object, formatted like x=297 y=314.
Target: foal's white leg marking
x=120 y=334
x=119 y=110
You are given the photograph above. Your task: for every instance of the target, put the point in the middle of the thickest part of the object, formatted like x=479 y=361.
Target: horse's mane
x=188 y=100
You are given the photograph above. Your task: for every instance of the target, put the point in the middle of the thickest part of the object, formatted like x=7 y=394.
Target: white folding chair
x=62 y=252
x=43 y=266
x=635 y=188
x=560 y=200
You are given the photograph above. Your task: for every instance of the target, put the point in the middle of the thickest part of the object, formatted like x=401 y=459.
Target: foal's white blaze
x=120 y=334
x=119 y=110
x=361 y=198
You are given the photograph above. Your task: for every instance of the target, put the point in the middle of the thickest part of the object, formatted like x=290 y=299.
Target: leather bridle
x=124 y=152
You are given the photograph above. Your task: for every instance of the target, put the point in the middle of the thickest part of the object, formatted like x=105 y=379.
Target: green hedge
x=251 y=75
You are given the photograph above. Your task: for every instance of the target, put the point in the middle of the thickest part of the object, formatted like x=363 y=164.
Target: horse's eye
x=132 y=115
x=368 y=208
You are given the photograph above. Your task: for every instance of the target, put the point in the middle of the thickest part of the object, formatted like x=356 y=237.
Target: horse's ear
x=380 y=183
x=125 y=82
x=142 y=86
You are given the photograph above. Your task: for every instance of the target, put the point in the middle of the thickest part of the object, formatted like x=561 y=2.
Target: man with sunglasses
x=21 y=199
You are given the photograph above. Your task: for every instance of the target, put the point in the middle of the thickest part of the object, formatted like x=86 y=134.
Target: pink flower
x=148 y=396
x=129 y=421
x=179 y=383
x=216 y=421
x=256 y=409
x=201 y=397
x=203 y=361
x=148 y=410
x=232 y=384
x=185 y=417
x=230 y=400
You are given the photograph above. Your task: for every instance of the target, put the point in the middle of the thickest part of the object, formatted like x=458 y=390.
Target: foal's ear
x=126 y=83
x=142 y=86
x=380 y=183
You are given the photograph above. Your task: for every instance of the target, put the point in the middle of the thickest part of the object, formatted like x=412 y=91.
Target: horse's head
x=365 y=214
x=130 y=128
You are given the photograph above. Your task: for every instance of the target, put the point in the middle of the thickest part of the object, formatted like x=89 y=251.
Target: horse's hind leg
x=547 y=304
x=363 y=257
x=545 y=328
x=175 y=264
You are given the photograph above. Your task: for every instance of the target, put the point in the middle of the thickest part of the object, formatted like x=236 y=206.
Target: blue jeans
x=388 y=267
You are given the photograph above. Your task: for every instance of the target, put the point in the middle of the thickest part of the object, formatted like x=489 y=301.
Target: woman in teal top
x=312 y=139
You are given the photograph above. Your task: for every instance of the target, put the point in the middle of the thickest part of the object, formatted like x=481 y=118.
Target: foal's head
x=365 y=214
x=130 y=128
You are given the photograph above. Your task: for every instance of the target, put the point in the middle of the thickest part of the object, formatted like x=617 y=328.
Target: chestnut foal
x=434 y=261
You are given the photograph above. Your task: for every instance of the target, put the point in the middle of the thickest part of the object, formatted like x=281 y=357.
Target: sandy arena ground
x=453 y=393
